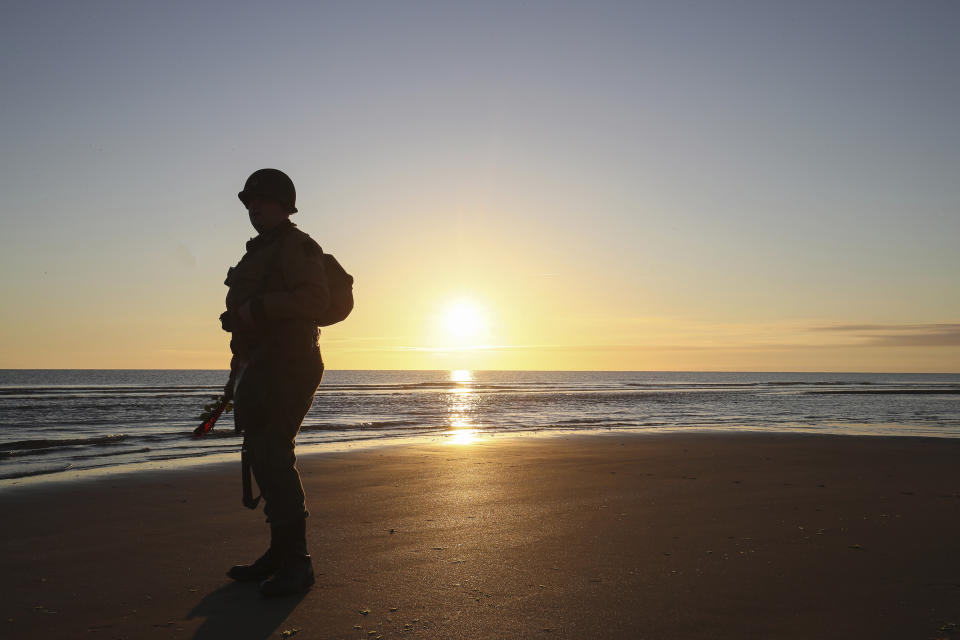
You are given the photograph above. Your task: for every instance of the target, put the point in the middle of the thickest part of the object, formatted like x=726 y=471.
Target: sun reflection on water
x=463 y=436
x=461 y=375
x=462 y=405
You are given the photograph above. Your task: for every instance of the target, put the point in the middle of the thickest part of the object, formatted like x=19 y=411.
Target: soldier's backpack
x=339 y=283
x=341 y=292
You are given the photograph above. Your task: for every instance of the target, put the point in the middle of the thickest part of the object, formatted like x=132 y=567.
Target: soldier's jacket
x=283 y=277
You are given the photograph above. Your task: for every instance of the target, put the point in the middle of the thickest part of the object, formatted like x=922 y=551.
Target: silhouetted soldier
x=277 y=291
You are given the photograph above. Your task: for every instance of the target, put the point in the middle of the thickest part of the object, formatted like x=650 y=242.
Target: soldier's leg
x=250 y=417
x=274 y=466
x=270 y=452
x=291 y=401
x=285 y=505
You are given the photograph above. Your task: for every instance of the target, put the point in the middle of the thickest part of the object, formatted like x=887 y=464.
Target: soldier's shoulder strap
x=272 y=261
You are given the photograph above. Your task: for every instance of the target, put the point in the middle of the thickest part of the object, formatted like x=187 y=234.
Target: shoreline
x=612 y=536
x=451 y=438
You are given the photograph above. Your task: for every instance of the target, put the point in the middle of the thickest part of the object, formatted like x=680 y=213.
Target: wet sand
x=662 y=536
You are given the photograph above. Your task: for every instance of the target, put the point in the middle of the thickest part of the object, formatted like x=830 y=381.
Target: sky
x=752 y=186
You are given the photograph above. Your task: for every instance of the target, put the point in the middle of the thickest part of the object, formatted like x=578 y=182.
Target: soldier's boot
x=264 y=566
x=295 y=574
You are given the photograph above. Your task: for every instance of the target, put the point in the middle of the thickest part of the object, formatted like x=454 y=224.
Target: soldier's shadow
x=237 y=610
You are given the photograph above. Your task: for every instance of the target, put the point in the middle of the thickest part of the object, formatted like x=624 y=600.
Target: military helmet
x=272 y=184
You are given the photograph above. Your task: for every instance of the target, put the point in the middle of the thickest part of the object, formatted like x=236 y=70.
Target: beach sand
x=641 y=536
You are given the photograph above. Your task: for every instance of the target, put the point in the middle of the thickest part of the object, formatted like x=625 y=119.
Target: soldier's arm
x=228 y=388
x=307 y=295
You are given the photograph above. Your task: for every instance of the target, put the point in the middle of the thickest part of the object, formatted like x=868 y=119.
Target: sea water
x=52 y=421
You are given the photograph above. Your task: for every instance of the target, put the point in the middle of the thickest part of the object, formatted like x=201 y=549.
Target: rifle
x=211 y=413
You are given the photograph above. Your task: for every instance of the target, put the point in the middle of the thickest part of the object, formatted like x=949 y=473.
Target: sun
x=463 y=319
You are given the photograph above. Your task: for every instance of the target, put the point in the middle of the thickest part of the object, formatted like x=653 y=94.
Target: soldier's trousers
x=272 y=398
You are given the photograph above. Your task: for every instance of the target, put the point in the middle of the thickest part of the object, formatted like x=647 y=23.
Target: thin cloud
x=564 y=347
x=904 y=335
x=856 y=336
